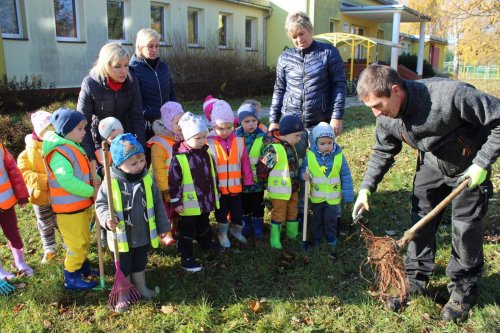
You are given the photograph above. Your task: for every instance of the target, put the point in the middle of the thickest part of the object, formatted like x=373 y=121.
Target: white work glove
x=476 y=175
x=361 y=201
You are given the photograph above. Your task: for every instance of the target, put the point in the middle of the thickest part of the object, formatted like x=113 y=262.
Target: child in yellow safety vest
x=12 y=191
x=252 y=196
x=140 y=217
x=279 y=164
x=233 y=171
x=72 y=191
x=167 y=133
x=193 y=189
x=31 y=164
x=331 y=183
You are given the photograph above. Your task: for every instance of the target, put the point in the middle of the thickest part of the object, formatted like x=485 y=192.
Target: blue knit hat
x=65 y=120
x=123 y=147
x=291 y=124
x=247 y=110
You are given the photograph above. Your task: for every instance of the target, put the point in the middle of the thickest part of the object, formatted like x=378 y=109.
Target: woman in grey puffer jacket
x=110 y=90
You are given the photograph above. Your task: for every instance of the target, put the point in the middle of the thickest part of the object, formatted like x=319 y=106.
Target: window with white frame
x=65 y=12
x=193 y=26
x=160 y=19
x=251 y=33
x=10 y=19
x=116 y=19
x=333 y=25
x=223 y=27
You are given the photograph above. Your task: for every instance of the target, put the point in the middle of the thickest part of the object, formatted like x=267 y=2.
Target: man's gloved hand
x=476 y=175
x=361 y=201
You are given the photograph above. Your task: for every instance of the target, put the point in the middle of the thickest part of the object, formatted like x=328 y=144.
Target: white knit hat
x=41 y=122
x=222 y=113
x=192 y=125
x=108 y=125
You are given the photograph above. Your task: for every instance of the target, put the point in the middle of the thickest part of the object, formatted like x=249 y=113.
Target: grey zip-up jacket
x=451 y=122
x=134 y=208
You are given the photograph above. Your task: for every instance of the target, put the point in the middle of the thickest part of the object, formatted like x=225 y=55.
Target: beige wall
x=66 y=63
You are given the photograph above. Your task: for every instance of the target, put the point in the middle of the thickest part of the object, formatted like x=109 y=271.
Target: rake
x=123 y=293
x=5 y=288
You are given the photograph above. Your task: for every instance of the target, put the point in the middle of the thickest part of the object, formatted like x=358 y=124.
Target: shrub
x=225 y=73
x=13 y=129
x=29 y=94
x=410 y=61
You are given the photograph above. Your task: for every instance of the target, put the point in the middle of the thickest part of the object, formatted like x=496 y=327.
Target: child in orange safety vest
x=167 y=133
x=12 y=191
x=72 y=191
x=233 y=171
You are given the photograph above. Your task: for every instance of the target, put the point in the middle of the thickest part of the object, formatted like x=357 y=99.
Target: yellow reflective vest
x=279 y=182
x=121 y=233
x=325 y=188
x=189 y=198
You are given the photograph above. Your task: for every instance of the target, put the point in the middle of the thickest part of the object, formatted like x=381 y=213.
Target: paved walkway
x=349 y=103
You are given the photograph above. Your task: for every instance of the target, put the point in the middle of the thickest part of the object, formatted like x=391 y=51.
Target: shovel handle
x=306 y=209
x=93 y=169
x=410 y=233
x=111 y=207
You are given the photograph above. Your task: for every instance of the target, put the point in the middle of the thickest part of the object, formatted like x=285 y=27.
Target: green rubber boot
x=292 y=229
x=275 y=235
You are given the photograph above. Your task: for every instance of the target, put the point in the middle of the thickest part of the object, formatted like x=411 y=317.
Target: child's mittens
x=179 y=209
x=306 y=176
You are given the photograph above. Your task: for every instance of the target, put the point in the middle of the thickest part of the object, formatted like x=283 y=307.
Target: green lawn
x=252 y=289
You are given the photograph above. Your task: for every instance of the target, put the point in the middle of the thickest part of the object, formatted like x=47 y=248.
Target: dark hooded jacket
x=97 y=101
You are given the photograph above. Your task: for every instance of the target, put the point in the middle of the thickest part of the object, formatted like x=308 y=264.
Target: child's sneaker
x=191 y=265
x=48 y=256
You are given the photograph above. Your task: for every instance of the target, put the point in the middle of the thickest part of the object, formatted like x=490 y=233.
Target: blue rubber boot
x=258 y=227
x=247 y=225
x=73 y=281
x=87 y=271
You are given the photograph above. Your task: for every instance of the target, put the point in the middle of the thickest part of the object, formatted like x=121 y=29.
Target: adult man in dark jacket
x=456 y=130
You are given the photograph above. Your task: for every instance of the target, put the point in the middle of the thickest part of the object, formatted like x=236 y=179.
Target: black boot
x=455 y=311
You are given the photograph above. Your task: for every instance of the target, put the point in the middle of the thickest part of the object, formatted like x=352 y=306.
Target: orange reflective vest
x=7 y=195
x=62 y=200
x=166 y=145
x=228 y=167
x=100 y=157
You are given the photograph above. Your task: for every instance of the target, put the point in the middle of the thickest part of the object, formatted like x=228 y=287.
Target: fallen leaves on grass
x=21 y=285
x=18 y=308
x=47 y=324
x=167 y=309
x=255 y=306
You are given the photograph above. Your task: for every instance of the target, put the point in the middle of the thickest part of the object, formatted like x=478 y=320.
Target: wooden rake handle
x=410 y=233
x=93 y=170
x=111 y=207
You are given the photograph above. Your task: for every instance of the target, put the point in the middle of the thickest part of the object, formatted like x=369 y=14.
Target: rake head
x=123 y=292
x=5 y=288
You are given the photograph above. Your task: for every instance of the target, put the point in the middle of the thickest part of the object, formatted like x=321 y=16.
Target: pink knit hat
x=41 y=122
x=222 y=113
x=169 y=111
x=208 y=105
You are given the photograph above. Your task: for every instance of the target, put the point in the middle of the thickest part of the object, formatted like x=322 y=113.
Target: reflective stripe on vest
x=62 y=200
x=121 y=234
x=7 y=195
x=228 y=167
x=325 y=188
x=279 y=183
x=189 y=198
x=166 y=145
x=254 y=154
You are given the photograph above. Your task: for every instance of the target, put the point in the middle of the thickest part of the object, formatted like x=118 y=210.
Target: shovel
x=307 y=189
x=410 y=233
